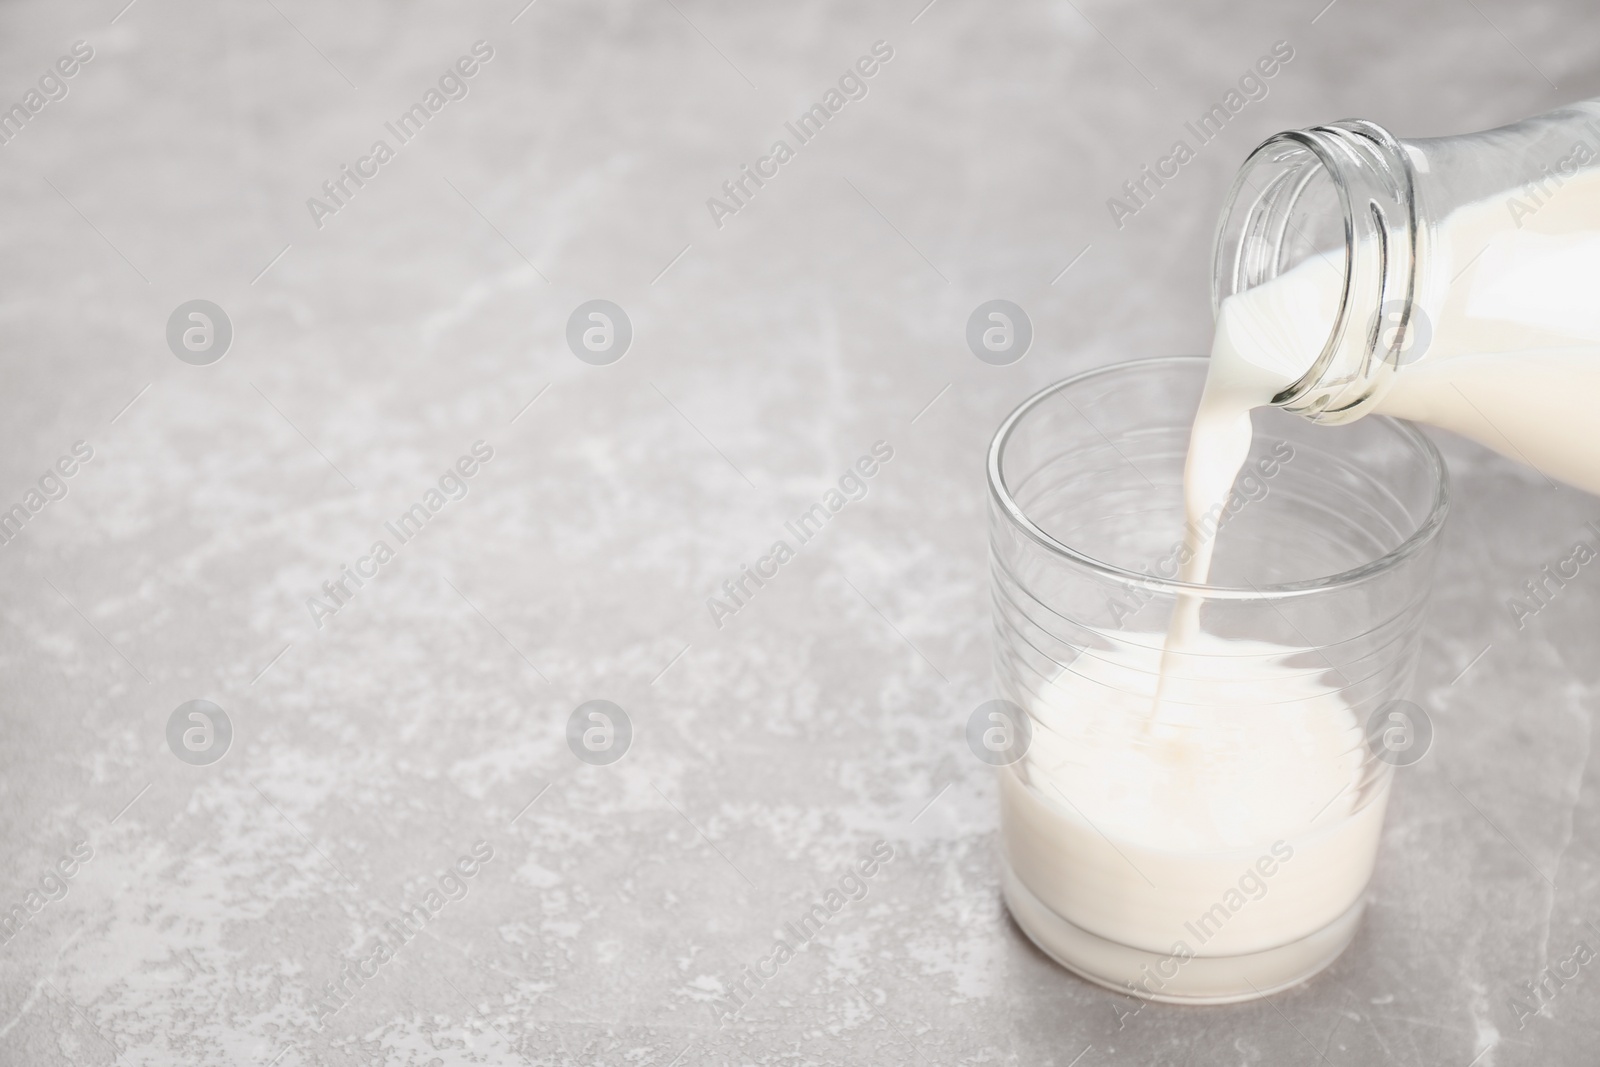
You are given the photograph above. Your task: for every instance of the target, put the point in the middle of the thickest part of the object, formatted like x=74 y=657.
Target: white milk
x=1137 y=837
x=1160 y=776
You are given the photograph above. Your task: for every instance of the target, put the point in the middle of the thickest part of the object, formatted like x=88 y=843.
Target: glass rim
x=1425 y=532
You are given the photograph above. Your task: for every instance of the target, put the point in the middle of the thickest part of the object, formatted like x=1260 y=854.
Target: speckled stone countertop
x=405 y=744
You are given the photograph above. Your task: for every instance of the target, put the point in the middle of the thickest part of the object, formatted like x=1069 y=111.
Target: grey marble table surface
x=395 y=367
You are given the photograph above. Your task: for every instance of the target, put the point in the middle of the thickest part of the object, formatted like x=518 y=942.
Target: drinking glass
x=1214 y=845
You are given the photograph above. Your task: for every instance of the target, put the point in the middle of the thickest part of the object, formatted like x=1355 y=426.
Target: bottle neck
x=1345 y=193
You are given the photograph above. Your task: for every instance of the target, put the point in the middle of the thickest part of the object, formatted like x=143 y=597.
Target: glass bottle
x=1452 y=257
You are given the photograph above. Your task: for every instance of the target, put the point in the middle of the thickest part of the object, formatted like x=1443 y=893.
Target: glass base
x=1199 y=979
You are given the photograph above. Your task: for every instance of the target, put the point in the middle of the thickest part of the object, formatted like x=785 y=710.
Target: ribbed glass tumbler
x=1212 y=842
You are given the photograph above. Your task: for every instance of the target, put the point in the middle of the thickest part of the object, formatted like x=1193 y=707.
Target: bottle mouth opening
x=1286 y=214
x=1337 y=199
